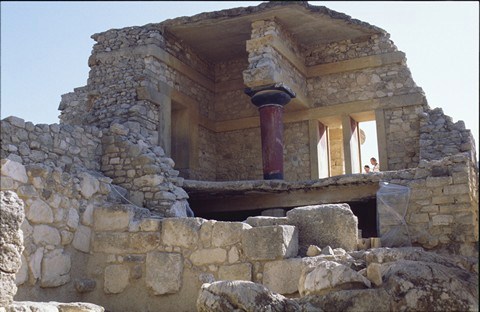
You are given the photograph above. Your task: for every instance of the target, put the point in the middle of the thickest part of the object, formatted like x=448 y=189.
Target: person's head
x=373 y=161
x=367 y=168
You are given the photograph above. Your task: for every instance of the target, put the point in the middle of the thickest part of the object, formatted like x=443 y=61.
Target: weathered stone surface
x=46 y=235
x=52 y=306
x=89 y=184
x=39 y=212
x=282 y=276
x=81 y=239
x=14 y=170
x=164 y=272
x=270 y=242
x=241 y=296
x=208 y=256
x=323 y=225
x=22 y=274
x=55 y=269
x=228 y=233
x=266 y=221
x=313 y=251
x=241 y=271
x=116 y=278
x=328 y=276
x=181 y=231
x=112 y=217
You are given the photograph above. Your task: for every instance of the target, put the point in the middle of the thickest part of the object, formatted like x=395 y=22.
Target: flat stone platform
x=225 y=196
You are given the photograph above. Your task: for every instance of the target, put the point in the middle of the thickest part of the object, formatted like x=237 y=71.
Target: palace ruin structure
x=234 y=114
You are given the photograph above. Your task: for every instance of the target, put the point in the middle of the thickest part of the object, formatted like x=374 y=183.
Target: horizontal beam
x=292 y=198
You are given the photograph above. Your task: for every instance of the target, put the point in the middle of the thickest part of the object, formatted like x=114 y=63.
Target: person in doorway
x=374 y=163
x=366 y=168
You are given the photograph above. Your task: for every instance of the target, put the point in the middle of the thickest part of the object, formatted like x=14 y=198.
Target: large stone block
x=116 y=278
x=164 y=272
x=282 y=276
x=81 y=239
x=89 y=184
x=117 y=243
x=39 y=212
x=46 y=235
x=112 y=217
x=14 y=170
x=325 y=225
x=208 y=256
x=228 y=233
x=235 y=272
x=55 y=269
x=270 y=242
x=183 y=232
x=266 y=221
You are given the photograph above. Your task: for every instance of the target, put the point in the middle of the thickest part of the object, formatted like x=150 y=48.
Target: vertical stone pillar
x=270 y=100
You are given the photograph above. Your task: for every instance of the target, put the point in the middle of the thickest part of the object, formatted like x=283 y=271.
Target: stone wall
x=443 y=207
x=57 y=229
x=62 y=146
x=207 y=155
x=440 y=137
x=402 y=128
x=144 y=170
x=349 y=49
x=296 y=153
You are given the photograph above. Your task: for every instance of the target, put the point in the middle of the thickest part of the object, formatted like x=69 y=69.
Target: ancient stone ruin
x=212 y=163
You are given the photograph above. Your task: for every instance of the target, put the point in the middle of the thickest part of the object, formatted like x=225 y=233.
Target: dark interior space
x=365 y=210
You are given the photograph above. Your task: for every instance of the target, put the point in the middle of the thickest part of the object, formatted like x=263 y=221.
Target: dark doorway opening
x=366 y=212
x=232 y=216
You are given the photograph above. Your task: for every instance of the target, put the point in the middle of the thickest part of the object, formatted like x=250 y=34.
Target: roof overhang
x=221 y=35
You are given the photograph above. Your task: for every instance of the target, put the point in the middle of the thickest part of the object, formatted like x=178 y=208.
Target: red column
x=270 y=101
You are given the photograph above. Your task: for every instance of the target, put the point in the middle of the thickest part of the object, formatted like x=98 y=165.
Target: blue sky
x=45 y=47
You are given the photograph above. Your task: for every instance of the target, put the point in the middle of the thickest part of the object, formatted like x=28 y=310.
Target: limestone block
x=206 y=232
x=55 y=269
x=22 y=274
x=329 y=276
x=313 y=251
x=208 y=256
x=116 y=278
x=266 y=221
x=39 y=212
x=87 y=216
x=270 y=242
x=442 y=219
x=182 y=232
x=7 y=288
x=228 y=233
x=66 y=237
x=72 y=218
x=46 y=235
x=164 y=272
x=10 y=257
x=81 y=239
x=322 y=225
x=35 y=263
x=282 y=276
x=112 y=217
x=233 y=255
x=150 y=225
x=241 y=271
x=117 y=243
x=14 y=170
x=148 y=180
x=89 y=185
x=374 y=273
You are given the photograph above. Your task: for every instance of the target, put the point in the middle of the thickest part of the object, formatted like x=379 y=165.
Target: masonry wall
x=62 y=146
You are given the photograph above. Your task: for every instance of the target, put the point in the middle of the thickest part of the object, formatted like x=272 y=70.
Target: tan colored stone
x=116 y=278
x=46 y=235
x=81 y=239
x=89 y=185
x=164 y=272
x=55 y=269
x=112 y=217
x=14 y=170
x=374 y=273
x=282 y=276
x=241 y=271
x=270 y=242
x=39 y=212
x=228 y=233
x=208 y=256
x=182 y=232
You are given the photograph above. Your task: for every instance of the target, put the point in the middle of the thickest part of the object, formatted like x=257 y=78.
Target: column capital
x=278 y=93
